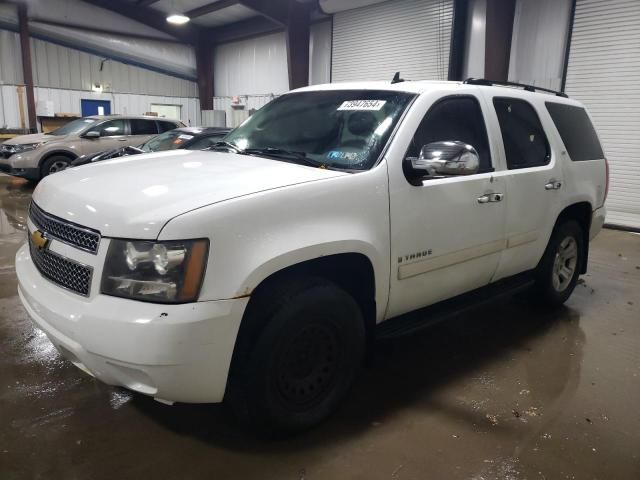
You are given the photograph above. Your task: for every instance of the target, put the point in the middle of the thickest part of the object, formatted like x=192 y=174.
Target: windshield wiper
x=228 y=145
x=298 y=157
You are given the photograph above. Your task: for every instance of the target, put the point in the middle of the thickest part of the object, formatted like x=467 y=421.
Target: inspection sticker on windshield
x=362 y=105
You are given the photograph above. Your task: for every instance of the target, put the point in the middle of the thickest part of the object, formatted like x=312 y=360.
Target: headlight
x=162 y=272
x=22 y=147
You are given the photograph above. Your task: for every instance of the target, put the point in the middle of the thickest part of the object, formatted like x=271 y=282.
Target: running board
x=425 y=317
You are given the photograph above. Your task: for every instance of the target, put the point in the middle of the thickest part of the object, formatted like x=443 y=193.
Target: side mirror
x=92 y=134
x=443 y=159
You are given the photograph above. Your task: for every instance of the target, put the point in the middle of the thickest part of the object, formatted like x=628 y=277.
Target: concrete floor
x=504 y=392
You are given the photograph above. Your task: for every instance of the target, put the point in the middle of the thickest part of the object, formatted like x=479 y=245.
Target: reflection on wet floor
x=508 y=391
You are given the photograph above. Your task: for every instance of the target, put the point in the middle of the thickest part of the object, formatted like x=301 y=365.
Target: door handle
x=491 y=198
x=553 y=185
x=122 y=139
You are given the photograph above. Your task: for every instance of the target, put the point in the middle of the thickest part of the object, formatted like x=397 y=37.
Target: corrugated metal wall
x=410 y=36
x=65 y=75
x=603 y=72
x=258 y=66
x=10 y=59
x=539 y=42
x=55 y=66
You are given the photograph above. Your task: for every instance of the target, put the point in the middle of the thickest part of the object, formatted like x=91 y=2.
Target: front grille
x=74 y=235
x=66 y=273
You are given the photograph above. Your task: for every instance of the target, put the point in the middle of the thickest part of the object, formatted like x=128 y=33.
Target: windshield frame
x=94 y=122
x=372 y=162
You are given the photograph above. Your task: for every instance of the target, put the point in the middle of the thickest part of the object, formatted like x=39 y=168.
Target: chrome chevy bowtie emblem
x=39 y=240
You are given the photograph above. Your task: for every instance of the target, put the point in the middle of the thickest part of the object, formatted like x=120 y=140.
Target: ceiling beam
x=210 y=8
x=275 y=10
x=152 y=18
x=244 y=29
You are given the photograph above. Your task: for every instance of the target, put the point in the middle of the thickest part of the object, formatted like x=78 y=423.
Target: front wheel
x=54 y=164
x=558 y=271
x=303 y=359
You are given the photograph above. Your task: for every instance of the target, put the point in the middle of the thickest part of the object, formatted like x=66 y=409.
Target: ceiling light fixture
x=178 y=19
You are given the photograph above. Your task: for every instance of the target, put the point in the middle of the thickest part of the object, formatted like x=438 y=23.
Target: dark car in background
x=188 y=138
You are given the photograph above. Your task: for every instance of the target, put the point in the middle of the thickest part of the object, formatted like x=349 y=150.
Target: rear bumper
x=597 y=221
x=176 y=353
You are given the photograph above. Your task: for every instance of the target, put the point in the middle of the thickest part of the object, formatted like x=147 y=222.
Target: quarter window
x=166 y=126
x=450 y=119
x=525 y=143
x=576 y=130
x=143 y=127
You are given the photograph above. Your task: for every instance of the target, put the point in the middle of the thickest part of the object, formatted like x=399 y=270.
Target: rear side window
x=143 y=127
x=166 y=126
x=525 y=143
x=576 y=130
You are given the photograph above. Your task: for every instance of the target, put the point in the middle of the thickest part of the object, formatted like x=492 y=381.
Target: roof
x=203 y=130
x=424 y=86
x=132 y=117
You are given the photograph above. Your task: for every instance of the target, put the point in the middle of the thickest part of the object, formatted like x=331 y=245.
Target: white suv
x=260 y=273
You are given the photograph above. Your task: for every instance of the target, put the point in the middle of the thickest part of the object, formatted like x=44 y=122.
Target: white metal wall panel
x=250 y=67
x=10 y=59
x=258 y=66
x=68 y=101
x=603 y=72
x=10 y=107
x=410 y=36
x=55 y=66
x=539 y=41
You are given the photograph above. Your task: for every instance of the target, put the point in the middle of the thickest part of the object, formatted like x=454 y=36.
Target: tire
x=559 y=268
x=300 y=355
x=54 y=164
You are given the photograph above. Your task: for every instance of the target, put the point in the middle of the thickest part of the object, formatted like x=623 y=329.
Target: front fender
x=255 y=236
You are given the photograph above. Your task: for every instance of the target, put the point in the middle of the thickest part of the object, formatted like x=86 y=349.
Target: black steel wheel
x=299 y=358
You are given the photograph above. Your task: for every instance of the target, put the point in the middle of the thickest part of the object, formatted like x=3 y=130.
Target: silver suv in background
x=38 y=155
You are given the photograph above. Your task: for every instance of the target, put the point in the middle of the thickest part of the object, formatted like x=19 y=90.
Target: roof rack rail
x=528 y=88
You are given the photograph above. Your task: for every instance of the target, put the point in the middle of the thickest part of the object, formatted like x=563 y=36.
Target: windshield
x=167 y=141
x=74 y=127
x=339 y=128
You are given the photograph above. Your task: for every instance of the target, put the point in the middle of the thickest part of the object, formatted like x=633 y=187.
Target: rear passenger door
x=533 y=181
x=141 y=130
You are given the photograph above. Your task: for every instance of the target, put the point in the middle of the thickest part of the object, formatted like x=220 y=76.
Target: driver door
x=112 y=135
x=446 y=237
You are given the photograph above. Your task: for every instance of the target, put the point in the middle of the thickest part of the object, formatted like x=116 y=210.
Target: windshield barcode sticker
x=362 y=105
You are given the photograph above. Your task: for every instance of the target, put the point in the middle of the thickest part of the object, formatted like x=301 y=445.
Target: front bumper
x=28 y=173
x=22 y=164
x=175 y=353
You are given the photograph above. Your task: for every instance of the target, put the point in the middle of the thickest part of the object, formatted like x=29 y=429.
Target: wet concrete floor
x=503 y=392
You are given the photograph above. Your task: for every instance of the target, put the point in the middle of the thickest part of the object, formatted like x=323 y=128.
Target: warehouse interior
x=504 y=391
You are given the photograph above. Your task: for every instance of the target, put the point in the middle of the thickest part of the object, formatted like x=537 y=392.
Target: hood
x=134 y=196
x=32 y=138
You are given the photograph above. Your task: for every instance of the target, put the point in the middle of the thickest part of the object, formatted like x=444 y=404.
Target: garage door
x=410 y=36
x=604 y=73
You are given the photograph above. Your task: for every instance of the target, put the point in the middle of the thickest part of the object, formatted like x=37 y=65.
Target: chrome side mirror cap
x=92 y=134
x=443 y=159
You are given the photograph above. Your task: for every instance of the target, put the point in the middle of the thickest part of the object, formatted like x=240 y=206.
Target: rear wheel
x=302 y=361
x=559 y=269
x=54 y=164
